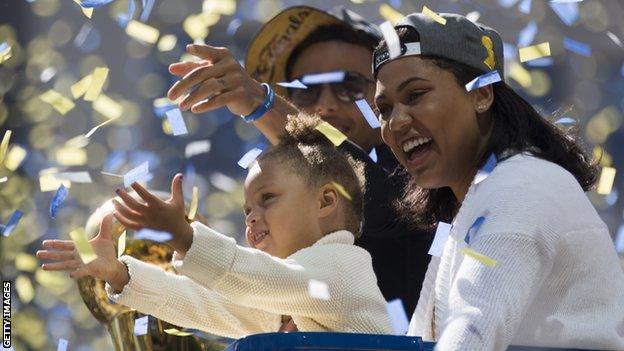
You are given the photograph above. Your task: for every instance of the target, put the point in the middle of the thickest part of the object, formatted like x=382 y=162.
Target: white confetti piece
x=318 y=289
x=440 y=238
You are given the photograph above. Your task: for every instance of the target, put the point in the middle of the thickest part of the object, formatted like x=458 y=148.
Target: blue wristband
x=264 y=107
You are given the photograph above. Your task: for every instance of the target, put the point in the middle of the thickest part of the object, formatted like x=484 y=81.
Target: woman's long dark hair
x=516 y=126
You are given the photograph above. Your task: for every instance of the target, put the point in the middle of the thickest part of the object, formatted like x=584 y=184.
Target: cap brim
x=269 y=50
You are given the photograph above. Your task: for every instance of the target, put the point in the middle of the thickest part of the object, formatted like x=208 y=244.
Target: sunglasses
x=349 y=87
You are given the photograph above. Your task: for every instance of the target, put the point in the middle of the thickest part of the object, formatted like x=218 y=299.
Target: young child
x=303 y=206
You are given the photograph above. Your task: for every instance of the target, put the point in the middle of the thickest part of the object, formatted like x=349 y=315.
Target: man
x=303 y=41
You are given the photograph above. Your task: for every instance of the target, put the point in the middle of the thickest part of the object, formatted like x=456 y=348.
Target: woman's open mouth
x=257 y=237
x=416 y=150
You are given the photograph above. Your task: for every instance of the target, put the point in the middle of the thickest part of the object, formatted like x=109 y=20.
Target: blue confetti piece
x=540 y=62
x=568 y=12
x=619 y=240
x=485 y=171
x=250 y=156
x=147 y=10
x=525 y=6
x=439 y=239
x=483 y=80
x=161 y=111
x=3 y=47
x=12 y=223
x=94 y=3
x=62 y=345
x=176 y=120
x=373 y=155
x=123 y=19
x=473 y=229
x=154 y=235
x=136 y=174
x=321 y=78
x=509 y=51
x=140 y=325
x=114 y=161
x=57 y=200
x=577 y=47
x=527 y=34
x=368 y=113
x=507 y=3
x=295 y=84
x=233 y=26
x=398 y=317
x=565 y=120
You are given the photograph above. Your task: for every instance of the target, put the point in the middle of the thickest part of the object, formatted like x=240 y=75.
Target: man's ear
x=328 y=200
x=483 y=98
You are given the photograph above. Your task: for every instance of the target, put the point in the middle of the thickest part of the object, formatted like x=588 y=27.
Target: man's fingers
x=126 y=222
x=194 y=78
x=126 y=212
x=61 y=266
x=216 y=102
x=211 y=53
x=55 y=255
x=59 y=244
x=181 y=69
x=206 y=90
x=130 y=201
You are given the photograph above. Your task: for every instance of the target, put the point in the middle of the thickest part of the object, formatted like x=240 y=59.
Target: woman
x=527 y=259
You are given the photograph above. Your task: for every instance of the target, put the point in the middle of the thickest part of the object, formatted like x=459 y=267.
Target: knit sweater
x=557 y=280
x=233 y=291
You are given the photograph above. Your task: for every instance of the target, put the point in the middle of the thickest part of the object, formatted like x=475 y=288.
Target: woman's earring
x=480 y=108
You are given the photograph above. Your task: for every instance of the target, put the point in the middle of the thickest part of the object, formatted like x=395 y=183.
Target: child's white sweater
x=557 y=280
x=233 y=291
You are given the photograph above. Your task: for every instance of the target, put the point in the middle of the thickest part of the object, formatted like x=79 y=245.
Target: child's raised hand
x=162 y=215
x=105 y=266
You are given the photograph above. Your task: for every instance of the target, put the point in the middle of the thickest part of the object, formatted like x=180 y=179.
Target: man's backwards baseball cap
x=268 y=52
x=459 y=40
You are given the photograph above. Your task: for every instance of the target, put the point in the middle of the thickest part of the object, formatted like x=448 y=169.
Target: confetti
x=3 y=179
x=222 y=7
x=82 y=245
x=5 y=52
x=398 y=317
x=80 y=87
x=483 y=80
x=62 y=345
x=373 y=155
x=98 y=78
x=605 y=183
x=479 y=257
x=565 y=120
x=333 y=134
x=527 y=34
x=176 y=120
x=194 y=203
x=142 y=32
x=473 y=229
x=390 y=14
x=58 y=101
x=136 y=174
x=368 y=113
x=57 y=200
x=197 y=147
x=68 y=156
x=48 y=182
x=76 y=177
x=619 y=240
x=568 y=11
x=90 y=133
x=108 y=107
x=94 y=3
x=295 y=84
x=434 y=16
x=24 y=288
x=167 y=43
x=440 y=238
x=615 y=39
x=12 y=223
x=473 y=16
x=124 y=18
x=342 y=190
x=121 y=244
x=147 y=10
x=250 y=156
x=534 y=52
x=520 y=74
x=326 y=77
x=4 y=145
x=318 y=290
x=154 y=235
x=525 y=6
x=176 y=332
x=577 y=47
x=140 y=325
x=14 y=157
x=233 y=26
x=486 y=170
x=392 y=39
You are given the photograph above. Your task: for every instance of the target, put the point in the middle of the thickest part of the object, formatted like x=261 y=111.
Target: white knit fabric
x=233 y=291
x=557 y=281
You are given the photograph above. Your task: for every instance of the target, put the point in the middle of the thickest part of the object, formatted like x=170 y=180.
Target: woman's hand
x=105 y=266
x=219 y=80
x=162 y=215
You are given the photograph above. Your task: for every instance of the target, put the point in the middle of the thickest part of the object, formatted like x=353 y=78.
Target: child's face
x=281 y=211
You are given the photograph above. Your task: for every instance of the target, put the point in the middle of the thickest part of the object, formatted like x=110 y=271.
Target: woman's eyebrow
x=401 y=86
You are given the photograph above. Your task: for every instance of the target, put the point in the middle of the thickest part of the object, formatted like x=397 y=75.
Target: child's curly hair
x=310 y=155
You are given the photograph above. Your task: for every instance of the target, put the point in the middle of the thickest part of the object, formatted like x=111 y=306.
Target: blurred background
x=53 y=44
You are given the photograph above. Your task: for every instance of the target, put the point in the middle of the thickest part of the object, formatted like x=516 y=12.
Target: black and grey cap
x=460 y=40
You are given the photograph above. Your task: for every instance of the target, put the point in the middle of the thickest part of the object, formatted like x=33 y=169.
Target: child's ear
x=328 y=200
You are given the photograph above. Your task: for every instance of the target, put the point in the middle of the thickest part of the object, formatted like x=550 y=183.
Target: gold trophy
x=119 y=319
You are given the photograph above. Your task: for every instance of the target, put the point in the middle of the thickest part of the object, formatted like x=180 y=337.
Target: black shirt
x=399 y=253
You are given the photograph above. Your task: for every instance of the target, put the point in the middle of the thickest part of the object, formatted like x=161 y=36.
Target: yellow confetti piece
x=605 y=184
x=86 y=11
x=142 y=32
x=98 y=77
x=434 y=16
x=26 y=262
x=222 y=7
x=121 y=244
x=24 y=288
x=80 y=88
x=490 y=262
x=194 y=203
x=58 y=101
x=82 y=245
x=77 y=142
x=48 y=182
x=5 y=54
x=534 y=52
x=176 y=332
x=167 y=42
x=390 y=14
x=108 y=107
x=342 y=190
x=520 y=75
x=14 y=157
x=196 y=26
x=68 y=156
x=333 y=134
x=4 y=145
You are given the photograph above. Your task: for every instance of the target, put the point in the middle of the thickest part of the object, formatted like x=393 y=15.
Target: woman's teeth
x=257 y=237
x=414 y=142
